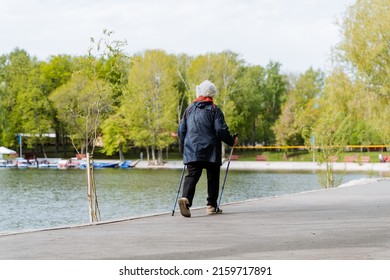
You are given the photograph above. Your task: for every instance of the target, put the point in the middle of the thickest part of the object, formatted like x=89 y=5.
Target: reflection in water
x=39 y=198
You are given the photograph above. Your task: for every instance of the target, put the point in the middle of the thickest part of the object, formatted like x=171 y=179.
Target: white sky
x=297 y=33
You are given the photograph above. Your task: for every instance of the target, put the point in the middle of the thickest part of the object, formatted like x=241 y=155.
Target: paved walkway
x=351 y=222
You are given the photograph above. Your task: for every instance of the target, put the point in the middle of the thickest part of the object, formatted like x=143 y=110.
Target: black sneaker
x=184 y=207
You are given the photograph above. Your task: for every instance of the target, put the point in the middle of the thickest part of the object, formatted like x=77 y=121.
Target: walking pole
x=224 y=180
x=178 y=190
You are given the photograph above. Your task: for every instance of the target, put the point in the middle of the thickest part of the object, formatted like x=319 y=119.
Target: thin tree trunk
x=121 y=156
x=160 y=157
x=147 y=154
x=153 y=155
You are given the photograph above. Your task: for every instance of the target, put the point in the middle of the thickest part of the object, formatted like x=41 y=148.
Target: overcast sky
x=297 y=33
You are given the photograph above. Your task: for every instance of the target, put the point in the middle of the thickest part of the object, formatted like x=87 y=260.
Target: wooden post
x=89 y=189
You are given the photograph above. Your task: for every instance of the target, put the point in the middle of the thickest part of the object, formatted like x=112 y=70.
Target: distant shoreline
x=280 y=166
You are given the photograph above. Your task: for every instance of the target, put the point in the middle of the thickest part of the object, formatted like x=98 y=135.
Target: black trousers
x=194 y=172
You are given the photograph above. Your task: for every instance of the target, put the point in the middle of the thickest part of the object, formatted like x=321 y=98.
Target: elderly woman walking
x=202 y=130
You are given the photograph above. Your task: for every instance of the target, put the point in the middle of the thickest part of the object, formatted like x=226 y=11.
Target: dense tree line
x=137 y=100
x=131 y=100
x=350 y=105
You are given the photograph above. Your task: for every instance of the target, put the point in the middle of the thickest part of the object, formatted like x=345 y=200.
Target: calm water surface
x=44 y=198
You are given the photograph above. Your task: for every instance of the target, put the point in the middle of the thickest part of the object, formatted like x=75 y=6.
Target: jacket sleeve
x=221 y=128
x=182 y=130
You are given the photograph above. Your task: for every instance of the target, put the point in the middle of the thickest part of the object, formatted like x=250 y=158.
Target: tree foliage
x=82 y=105
x=138 y=100
x=298 y=112
x=246 y=95
x=150 y=105
x=366 y=42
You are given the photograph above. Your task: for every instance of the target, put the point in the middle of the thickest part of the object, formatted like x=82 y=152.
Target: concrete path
x=351 y=222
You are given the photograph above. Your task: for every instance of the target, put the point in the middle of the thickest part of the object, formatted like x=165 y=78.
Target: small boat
x=53 y=164
x=10 y=164
x=32 y=164
x=99 y=165
x=63 y=164
x=74 y=163
x=106 y=164
x=21 y=163
x=126 y=164
x=42 y=163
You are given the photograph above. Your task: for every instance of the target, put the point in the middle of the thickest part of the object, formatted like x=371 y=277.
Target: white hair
x=206 y=89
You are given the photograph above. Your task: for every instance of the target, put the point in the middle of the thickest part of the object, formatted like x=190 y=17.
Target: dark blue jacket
x=201 y=131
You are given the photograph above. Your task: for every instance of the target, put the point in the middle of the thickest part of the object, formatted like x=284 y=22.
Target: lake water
x=46 y=198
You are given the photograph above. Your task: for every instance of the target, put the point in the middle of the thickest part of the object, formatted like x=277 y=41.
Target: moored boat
x=63 y=164
x=98 y=164
x=32 y=164
x=125 y=164
x=21 y=162
x=74 y=162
